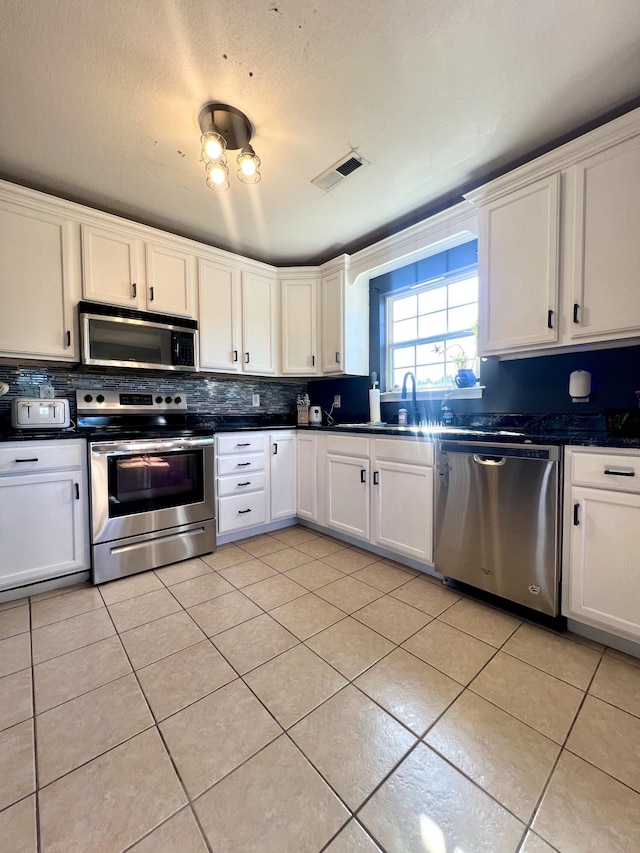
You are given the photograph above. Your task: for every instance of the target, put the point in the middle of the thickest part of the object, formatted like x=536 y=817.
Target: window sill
x=473 y=393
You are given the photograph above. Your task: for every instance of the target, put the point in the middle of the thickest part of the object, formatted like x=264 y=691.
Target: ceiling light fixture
x=225 y=128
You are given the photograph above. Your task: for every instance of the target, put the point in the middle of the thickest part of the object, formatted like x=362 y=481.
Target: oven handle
x=116 y=448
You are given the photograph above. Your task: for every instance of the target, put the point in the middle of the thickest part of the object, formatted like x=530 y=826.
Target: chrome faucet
x=413 y=393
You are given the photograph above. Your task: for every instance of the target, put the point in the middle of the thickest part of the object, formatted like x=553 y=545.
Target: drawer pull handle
x=134 y=290
x=576 y=308
x=243 y=444
x=35 y=459
x=576 y=510
x=363 y=475
x=246 y=358
x=77 y=491
x=242 y=464
x=275 y=448
x=151 y=294
x=550 y=319
x=619 y=473
x=243 y=511
x=376 y=478
x=337 y=358
x=235 y=355
x=248 y=483
x=313 y=361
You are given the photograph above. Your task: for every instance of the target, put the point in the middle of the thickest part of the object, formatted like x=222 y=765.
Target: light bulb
x=213 y=146
x=249 y=166
x=218 y=176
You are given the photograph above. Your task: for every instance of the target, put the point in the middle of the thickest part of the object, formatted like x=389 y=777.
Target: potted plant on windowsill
x=465 y=377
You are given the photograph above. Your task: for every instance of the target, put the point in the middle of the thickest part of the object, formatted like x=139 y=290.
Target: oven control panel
x=93 y=401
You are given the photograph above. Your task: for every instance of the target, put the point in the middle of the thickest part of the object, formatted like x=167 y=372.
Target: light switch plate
x=255 y=399
x=336 y=401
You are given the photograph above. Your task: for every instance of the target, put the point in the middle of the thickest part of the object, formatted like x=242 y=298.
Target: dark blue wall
x=525 y=386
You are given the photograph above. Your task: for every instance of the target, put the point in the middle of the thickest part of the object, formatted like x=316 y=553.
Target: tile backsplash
x=206 y=393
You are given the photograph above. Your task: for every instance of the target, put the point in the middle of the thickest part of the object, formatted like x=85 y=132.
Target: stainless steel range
x=152 y=486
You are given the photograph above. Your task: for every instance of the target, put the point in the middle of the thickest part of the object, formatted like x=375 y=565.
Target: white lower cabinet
x=282 y=469
x=381 y=491
x=402 y=497
x=307 y=476
x=43 y=511
x=255 y=478
x=601 y=578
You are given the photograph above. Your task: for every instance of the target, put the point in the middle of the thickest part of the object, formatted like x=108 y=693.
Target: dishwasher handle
x=482 y=459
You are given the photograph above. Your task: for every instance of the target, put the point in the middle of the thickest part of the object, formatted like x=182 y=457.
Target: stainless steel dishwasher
x=497 y=521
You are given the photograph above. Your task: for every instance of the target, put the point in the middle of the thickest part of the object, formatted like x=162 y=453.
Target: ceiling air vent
x=332 y=176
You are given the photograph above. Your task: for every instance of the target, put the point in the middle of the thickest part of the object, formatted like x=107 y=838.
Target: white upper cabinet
x=299 y=326
x=110 y=266
x=259 y=323
x=39 y=281
x=518 y=268
x=170 y=280
x=606 y=274
x=559 y=252
x=220 y=316
x=113 y=265
x=238 y=319
x=345 y=320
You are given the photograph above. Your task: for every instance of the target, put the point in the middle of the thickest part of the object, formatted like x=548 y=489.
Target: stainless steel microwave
x=122 y=337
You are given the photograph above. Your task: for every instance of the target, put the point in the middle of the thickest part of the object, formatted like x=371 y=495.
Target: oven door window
x=147 y=482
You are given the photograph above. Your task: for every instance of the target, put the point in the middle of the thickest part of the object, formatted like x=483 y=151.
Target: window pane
x=432 y=300
x=398 y=376
x=458 y=346
x=403 y=331
x=432 y=374
x=404 y=307
x=462 y=292
x=432 y=324
x=462 y=318
x=403 y=357
x=430 y=353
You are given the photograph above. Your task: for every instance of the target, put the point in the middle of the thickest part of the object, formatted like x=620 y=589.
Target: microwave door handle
x=176 y=349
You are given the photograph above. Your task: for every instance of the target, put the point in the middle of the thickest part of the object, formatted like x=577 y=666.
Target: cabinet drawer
x=348 y=445
x=240 y=511
x=245 y=443
x=617 y=471
x=414 y=451
x=241 y=483
x=243 y=462
x=21 y=457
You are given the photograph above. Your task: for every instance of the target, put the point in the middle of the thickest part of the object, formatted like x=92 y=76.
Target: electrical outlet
x=255 y=399
x=336 y=401
x=46 y=392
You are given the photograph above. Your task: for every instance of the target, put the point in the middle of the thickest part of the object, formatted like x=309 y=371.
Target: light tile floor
x=289 y=693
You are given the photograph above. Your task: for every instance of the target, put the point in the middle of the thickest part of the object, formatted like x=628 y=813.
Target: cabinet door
x=402 y=506
x=606 y=280
x=259 y=323
x=307 y=488
x=38 y=280
x=219 y=317
x=170 y=281
x=348 y=495
x=42 y=533
x=518 y=269
x=604 y=583
x=283 y=475
x=333 y=323
x=110 y=268
x=299 y=324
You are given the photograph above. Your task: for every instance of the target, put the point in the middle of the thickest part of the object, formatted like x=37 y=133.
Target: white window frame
x=448 y=390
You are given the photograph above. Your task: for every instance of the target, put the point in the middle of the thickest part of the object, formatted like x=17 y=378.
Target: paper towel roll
x=374 y=405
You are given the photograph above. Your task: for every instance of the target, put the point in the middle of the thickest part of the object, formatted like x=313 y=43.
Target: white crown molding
x=451 y=227
x=561 y=158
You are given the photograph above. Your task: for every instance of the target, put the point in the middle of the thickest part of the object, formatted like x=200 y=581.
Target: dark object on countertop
x=624 y=422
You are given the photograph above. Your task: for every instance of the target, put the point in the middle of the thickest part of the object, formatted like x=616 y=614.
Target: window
x=431 y=331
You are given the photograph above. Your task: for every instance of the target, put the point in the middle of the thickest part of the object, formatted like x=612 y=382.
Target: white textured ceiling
x=99 y=101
